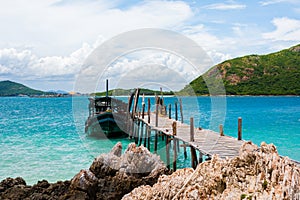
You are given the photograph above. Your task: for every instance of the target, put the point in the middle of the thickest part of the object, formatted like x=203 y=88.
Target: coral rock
x=257 y=173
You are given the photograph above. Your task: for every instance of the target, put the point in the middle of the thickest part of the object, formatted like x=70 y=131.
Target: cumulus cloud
x=225 y=6
x=25 y=64
x=54 y=27
x=286 y=30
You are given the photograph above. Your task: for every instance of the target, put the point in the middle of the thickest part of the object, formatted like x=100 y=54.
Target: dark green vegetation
x=123 y=92
x=273 y=74
x=9 y=88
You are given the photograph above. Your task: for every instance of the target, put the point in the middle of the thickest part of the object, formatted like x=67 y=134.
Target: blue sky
x=43 y=43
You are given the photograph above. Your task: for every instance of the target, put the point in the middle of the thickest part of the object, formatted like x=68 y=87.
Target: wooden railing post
x=174 y=153
x=170 y=116
x=240 y=128
x=156 y=115
x=176 y=111
x=149 y=107
x=192 y=139
x=181 y=112
x=174 y=127
x=221 y=130
x=168 y=151
x=192 y=129
x=143 y=107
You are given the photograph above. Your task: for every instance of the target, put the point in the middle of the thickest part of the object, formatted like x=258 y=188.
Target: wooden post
x=137 y=130
x=132 y=129
x=176 y=111
x=149 y=107
x=192 y=129
x=194 y=158
x=156 y=125
x=168 y=151
x=174 y=128
x=174 y=153
x=184 y=150
x=221 y=130
x=240 y=128
x=155 y=141
x=136 y=100
x=192 y=139
x=181 y=112
x=143 y=107
x=200 y=157
x=142 y=133
x=146 y=135
x=170 y=111
x=149 y=137
x=156 y=115
x=178 y=146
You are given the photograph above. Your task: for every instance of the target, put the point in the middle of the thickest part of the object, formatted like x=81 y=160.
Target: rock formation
x=110 y=177
x=257 y=173
x=17 y=189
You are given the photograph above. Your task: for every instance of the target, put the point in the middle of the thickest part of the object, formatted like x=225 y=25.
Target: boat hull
x=106 y=125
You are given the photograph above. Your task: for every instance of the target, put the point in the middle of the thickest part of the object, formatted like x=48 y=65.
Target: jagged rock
x=84 y=180
x=136 y=161
x=17 y=189
x=119 y=174
x=257 y=173
x=11 y=182
x=110 y=177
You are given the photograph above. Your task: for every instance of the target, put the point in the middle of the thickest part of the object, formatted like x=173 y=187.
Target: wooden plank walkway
x=206 y=141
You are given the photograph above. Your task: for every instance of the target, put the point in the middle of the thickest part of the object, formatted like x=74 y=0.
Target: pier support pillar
x=168 y=151
x=193 y=151
x=240 y=128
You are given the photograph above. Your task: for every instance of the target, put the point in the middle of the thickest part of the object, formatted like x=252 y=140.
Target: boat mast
x=106 y=88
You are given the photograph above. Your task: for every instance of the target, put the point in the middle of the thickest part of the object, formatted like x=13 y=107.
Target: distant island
x=13 y=89
x=273 y=74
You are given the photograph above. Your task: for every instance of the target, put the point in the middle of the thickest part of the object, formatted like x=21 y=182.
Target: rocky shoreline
x=257 y=173
x=110 y=176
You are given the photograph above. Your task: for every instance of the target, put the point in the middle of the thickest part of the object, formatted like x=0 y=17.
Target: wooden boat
x=107 y=117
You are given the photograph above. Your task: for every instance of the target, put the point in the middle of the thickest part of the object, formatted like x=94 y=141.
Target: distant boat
x=107 y=117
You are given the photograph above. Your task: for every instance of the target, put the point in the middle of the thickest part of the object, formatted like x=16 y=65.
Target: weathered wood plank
x=205 y=141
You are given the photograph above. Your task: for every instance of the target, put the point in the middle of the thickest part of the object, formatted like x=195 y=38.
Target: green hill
x=273 y=74
x=9 y=88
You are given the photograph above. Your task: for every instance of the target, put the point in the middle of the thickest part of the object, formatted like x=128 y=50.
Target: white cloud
x=225 y=6
x=24 y=64
x=53 y=29
x=286 y=30
x=270 y=2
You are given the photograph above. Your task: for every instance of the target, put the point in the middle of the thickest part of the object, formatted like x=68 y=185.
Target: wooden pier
x=203 y=142
x=178 y=135
x=206 y=141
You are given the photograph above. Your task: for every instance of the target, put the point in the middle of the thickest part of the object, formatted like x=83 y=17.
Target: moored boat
x=107 y=117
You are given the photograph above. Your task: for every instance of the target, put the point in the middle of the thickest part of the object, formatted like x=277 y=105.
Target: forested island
x=273 y=74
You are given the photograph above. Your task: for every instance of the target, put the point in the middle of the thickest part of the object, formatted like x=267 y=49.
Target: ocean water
x=43 y=138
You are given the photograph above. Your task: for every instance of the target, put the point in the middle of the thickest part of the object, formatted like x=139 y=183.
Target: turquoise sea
x=43 y=138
